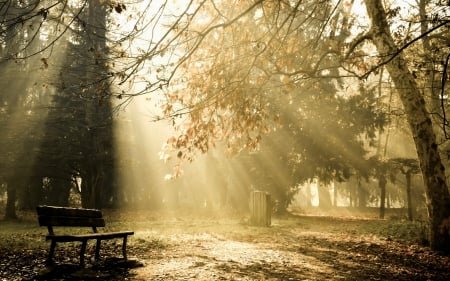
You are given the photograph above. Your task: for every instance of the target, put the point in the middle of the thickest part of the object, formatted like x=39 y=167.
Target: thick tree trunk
x=421 y=126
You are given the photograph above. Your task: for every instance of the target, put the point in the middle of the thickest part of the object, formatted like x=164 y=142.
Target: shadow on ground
x=111 y=269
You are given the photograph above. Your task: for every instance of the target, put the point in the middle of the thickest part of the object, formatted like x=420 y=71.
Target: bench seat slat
x=84 y=237
x=70 y=221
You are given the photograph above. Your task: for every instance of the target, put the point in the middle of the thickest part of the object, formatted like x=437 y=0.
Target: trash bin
x=260 y=208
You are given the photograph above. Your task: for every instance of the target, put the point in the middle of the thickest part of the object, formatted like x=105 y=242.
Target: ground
x=218 y=247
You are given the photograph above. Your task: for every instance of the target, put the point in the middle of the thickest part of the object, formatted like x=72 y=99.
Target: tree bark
x=408 y=195
x=421 y=126
x=382 y=184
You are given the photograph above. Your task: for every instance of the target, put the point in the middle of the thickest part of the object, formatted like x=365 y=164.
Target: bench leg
x=51 y=253
x=82 y=251
x=97 y=249
x=124 y=247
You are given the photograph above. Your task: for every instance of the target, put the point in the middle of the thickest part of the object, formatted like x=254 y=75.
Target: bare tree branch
x=404 y=47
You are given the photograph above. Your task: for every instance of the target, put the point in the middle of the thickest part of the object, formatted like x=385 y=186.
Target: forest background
x=344 y=98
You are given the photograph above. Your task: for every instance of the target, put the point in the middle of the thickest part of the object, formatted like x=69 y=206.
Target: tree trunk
x=98 y=115
x=32 y=194
x=308 y=195
x=335 y=194
x=87 y=193
x=421 y=126
x=10 y=212
x=408 y=195
x=382 y=184
x=362 y=195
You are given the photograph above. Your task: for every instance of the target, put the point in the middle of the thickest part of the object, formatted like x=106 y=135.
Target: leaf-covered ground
x=214 y=247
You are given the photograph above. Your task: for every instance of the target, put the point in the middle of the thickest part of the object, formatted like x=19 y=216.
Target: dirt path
x=302 y=249
x=296 y=248
x=213 y=258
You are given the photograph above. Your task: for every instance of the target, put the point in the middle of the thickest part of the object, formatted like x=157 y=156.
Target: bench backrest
x=65 y=216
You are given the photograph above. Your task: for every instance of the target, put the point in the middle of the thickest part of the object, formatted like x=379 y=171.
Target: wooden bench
x=51 y=216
